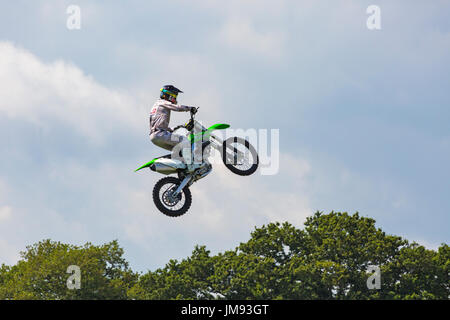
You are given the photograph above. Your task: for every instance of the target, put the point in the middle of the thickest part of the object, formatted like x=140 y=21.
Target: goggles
x=169 y=93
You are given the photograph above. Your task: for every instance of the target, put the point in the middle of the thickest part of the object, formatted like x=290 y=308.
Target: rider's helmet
x=170 y=93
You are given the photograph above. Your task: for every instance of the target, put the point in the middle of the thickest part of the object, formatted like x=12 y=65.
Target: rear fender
x=148 y=164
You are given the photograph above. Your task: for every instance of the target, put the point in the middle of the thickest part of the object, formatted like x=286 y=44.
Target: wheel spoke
x=166 y=203
x=167 y=200
x=245 y=162
x=240 y=156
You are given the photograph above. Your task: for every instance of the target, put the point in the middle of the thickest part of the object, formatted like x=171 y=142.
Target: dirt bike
x=171 y=195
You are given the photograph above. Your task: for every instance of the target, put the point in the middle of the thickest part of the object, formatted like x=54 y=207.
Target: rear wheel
x=166 y=202
x=239 y=156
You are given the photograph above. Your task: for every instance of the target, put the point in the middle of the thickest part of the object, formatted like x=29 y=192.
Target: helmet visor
x=171 y=96
x=170 y=93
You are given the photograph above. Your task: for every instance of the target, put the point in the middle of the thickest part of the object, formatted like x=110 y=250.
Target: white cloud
x=98 y=203
x=241 y=34
x=32 y=222
x=9 y=254
x=3 y=190
x=5 y=213
x=82 y=202
x=60 y=92
x=59 y=99
x=427 y=244
x=194 y=73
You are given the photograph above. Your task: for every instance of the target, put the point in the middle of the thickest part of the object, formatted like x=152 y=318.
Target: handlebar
x=194 y=110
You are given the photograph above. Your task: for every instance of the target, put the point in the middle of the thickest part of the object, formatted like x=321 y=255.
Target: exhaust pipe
x=162 y=168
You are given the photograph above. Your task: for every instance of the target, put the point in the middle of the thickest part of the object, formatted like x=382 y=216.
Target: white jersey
x=160 y=114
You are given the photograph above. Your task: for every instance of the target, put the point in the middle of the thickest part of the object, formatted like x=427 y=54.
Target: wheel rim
x=168 y=201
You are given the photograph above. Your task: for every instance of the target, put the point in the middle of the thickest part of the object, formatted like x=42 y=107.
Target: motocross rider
x=160 y=133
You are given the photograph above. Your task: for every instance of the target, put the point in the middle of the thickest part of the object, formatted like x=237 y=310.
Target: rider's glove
x=193 y=110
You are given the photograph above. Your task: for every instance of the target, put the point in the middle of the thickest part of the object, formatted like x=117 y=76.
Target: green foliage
x=327 y=259
x=42 y=272
x=178 y=280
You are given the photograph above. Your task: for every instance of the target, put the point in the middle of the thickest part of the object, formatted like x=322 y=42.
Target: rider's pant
x=179 y=144
x=166 y=139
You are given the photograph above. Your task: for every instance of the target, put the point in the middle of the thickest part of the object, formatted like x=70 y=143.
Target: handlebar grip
x=194 y=110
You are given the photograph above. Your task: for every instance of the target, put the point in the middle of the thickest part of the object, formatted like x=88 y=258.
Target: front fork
x=187 y=180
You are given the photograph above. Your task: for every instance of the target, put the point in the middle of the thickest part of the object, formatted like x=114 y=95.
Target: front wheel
x=172 y=206
x=239 y=156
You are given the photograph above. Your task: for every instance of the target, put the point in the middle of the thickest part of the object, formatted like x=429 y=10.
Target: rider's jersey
x=160 y=114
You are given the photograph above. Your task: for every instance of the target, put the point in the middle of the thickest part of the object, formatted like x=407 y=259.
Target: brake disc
x=168 y=198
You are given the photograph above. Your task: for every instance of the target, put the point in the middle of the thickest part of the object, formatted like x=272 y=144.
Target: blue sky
x=363 y=118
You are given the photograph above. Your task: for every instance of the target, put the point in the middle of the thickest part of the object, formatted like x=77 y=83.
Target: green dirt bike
x=171 y=195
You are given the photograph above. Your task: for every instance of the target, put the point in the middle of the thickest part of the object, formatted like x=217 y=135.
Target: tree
x=328 y=259
x=42 y=272
x=417 y=273
x=187 y=279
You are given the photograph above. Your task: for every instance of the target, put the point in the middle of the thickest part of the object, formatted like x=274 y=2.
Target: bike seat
x=168 y=156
